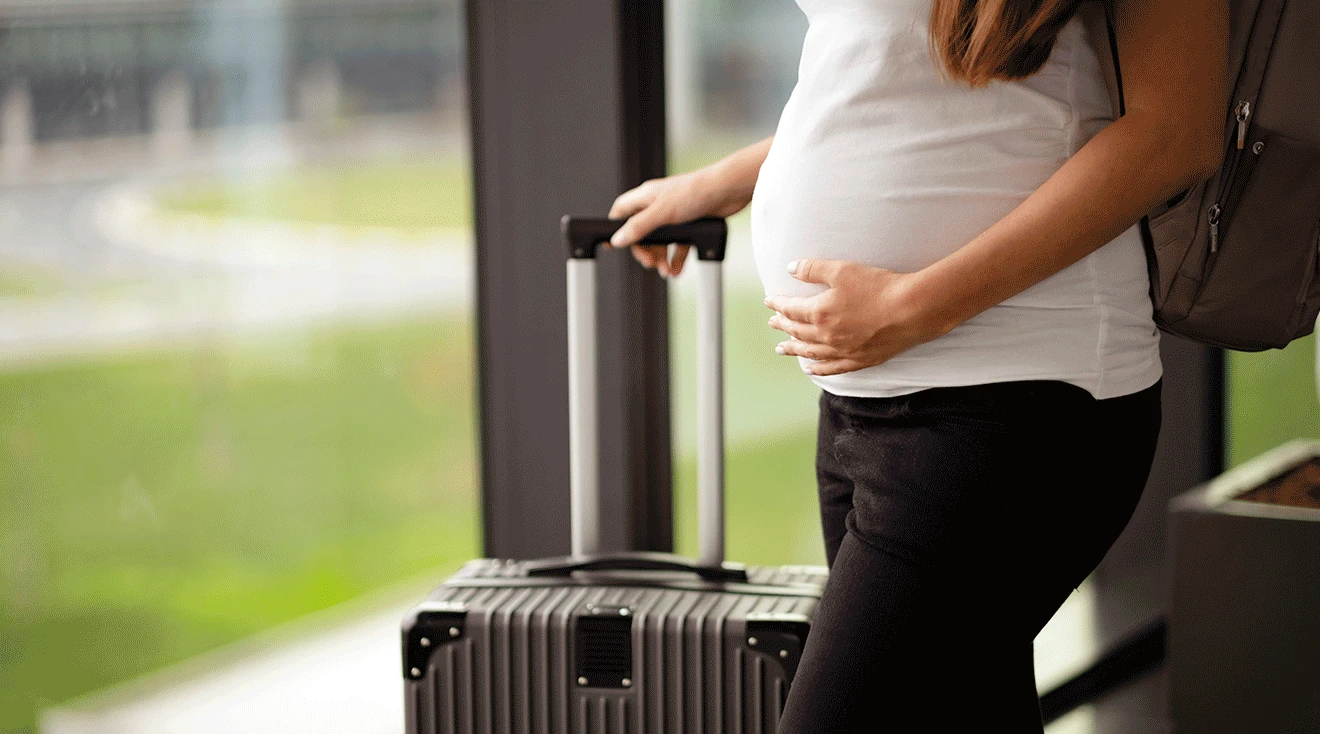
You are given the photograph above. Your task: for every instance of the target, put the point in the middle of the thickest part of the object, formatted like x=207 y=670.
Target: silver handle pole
x=583 y=432
x=710 y=410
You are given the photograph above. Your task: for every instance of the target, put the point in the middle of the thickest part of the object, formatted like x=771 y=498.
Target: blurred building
x=748 y=59
x=73 y=69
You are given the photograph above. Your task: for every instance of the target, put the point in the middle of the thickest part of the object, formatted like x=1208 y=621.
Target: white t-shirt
x=880 y=160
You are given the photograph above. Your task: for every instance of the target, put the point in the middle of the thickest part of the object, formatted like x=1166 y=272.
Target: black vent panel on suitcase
x=603 y=648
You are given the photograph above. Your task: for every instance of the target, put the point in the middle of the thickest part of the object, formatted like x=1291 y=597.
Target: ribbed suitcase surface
x=493 y=651
x=626 y=642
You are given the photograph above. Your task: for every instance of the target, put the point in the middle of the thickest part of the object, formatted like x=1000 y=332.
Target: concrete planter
x=1244 y=624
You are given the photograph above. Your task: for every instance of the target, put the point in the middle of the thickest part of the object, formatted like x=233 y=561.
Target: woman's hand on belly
x=866 y=317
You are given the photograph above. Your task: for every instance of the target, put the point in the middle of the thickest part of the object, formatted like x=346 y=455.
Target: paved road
x=344 y=680
x=124 y=277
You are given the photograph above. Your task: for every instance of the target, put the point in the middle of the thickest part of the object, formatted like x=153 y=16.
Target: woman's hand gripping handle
x=720 y=189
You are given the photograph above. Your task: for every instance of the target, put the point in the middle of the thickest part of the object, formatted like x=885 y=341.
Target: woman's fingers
x=827 y=360
x=637 y=207
x=680 y=256
x=658 y=257
x=651 y=256
x=645 y=208
x=801 y=310
x=632 y=201
x=798 y=348
x=796 y=329
x=827 y=367
x=812 y=270
x=641 y=224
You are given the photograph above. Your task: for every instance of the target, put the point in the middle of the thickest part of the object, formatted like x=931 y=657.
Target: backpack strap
x=1099 y=22
x=1113 y=54
x=1098 y=18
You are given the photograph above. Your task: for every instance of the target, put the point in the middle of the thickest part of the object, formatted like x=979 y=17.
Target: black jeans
x=957 y=521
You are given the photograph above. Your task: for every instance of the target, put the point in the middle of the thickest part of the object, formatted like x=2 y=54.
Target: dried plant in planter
x=1298 y=487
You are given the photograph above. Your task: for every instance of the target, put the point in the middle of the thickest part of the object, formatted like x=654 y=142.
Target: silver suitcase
x=615 y=643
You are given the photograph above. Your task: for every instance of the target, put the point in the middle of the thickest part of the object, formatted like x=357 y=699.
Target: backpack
x=1234 y=260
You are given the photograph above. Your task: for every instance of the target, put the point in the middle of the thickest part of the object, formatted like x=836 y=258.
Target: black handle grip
x=708 y=235
x=635 y=561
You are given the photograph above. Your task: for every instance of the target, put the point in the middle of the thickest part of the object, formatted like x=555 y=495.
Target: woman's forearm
x=868 y=315
x=1174 y=56
x=1095 y=196
x=735 y=175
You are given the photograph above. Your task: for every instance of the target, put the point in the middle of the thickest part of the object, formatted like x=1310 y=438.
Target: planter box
x=1244 y=622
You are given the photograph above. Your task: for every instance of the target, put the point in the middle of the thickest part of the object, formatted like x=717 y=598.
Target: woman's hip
x=1035 y=474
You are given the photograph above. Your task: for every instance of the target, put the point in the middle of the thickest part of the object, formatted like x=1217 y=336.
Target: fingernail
x=781 y=349
x=792 y=267
x=766 y=302
x=616 y=238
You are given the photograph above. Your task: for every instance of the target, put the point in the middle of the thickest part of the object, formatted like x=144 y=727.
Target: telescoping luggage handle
x=583 y=235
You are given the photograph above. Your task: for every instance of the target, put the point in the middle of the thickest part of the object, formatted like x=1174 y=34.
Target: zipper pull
x=1214 y=228
x=1243 y=113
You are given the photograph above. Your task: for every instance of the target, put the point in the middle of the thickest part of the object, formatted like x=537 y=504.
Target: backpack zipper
x=1213 y=218
x=1243 y=115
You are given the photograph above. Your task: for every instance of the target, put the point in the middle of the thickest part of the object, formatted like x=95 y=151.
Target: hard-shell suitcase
x=642 y=643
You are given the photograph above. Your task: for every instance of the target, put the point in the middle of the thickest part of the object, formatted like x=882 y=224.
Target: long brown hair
x=978 y=41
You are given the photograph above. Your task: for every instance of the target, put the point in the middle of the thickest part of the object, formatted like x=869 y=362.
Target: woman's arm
x=721 y=189
x=1174 y=58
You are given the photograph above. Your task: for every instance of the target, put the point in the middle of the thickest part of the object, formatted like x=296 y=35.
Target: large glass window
x=731 y=67
x=1271 y=399
x=235 y=335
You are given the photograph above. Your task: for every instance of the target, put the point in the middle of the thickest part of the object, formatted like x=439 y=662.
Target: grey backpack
x=1234 y=260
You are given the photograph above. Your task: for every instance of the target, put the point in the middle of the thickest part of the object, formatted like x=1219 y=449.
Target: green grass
x=771 y=502
x=419 y=194
x=766 y=394
x=19 y=282
x=708 y=149
x=1271 y=399
x=153 y=507
x=771 y=417
x=411 y=194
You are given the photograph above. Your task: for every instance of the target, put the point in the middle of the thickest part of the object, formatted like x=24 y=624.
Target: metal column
x=567 y=110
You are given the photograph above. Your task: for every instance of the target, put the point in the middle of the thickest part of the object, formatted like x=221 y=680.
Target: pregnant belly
x=901 y=211
x=904 y=234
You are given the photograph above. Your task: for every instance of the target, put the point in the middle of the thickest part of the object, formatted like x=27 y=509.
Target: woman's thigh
x=1016 y=487
x=834 y=487
x=973 y=513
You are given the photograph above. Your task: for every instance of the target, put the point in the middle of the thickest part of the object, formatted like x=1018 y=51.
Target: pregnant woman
x=944 y=225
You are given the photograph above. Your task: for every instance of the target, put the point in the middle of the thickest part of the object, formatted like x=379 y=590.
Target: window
x=731 y=67
x=1270 y=399
x=235 y=335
